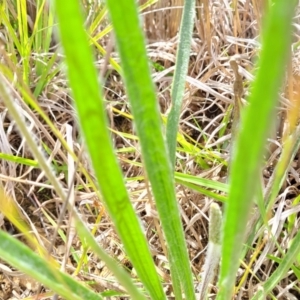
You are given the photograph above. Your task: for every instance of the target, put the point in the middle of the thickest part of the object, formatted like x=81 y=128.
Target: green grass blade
x=111 y=264
x=42 y=33
x=144 y=105
x=12 y=33
x=90 y=107
x=281 y=270
x=249 y=147
x=182 y=60
x=203 y=191
x=23 y=31
x=47 y=74
x=290 y=149
x=24 y=259
x=211 y=184
x=19 y=160
x=295 y=269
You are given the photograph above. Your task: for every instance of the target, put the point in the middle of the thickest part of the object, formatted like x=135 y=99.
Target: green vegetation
x=123 y=212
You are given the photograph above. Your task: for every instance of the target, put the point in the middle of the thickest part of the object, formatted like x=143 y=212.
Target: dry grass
x=223 y=29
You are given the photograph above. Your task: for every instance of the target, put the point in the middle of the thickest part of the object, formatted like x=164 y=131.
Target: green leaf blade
x=181 y=67
x=140 y=89
x=281 y=270
x=89 y=102
x=249 y=148
x=24 y=259
x=111 y=264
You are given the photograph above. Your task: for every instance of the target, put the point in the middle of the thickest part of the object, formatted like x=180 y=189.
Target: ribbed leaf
x=256 y=122
x=181 y=67
x=140 y=89
x=89 y=102
x=24 y=259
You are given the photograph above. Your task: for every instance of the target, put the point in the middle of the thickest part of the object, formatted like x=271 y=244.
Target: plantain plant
x=158 y=155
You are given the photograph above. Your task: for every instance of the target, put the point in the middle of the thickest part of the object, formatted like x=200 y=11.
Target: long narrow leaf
x=281 y=270
x=131 y=46
x=90 y=107
x=248 y=151
x=182 y=61
x=111 y=264
x=24 y=259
